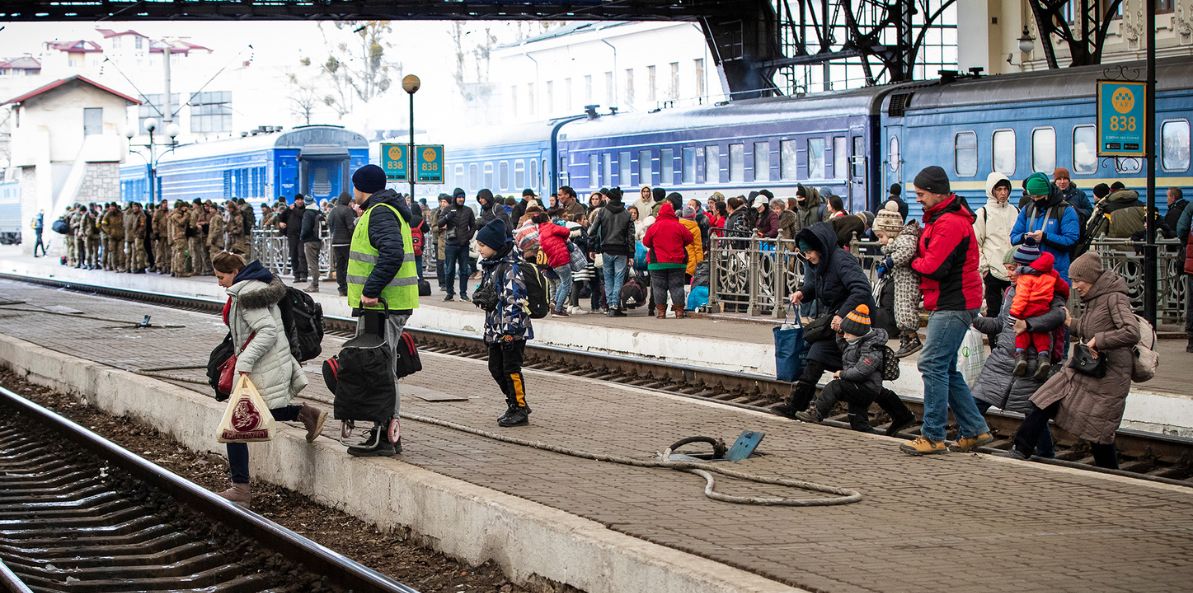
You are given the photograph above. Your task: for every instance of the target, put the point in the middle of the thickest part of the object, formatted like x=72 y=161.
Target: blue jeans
x=238 y=453
x=565 y=285
x=418 y=266
x=614 y=268
x=944 y=387
x=456 y=258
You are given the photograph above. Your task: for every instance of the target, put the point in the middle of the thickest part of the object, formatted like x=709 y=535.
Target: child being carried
x=1035 y=287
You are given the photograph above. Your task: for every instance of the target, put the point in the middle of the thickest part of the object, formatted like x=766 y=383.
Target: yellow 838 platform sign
x=430 y=163
x=1121 y=117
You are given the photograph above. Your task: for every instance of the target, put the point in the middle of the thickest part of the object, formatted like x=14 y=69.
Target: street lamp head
x=172 y=130
x=150 y=125
x=1026 y=43
x=129 y=133
x=411 y=83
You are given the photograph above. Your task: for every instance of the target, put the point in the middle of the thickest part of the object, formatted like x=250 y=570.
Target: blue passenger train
x=315 y=161
x=854 y=143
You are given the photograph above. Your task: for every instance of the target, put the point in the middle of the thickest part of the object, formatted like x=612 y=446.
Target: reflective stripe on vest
x=399 y=293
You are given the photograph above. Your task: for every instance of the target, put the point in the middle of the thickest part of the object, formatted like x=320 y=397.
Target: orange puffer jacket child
x=1034 y=291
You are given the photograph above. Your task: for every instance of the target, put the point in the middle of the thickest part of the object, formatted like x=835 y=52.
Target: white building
x=631 y=66
x=67 y=145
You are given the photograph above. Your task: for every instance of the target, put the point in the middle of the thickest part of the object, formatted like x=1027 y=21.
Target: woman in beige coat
x=1087 y=407
x=263 y=353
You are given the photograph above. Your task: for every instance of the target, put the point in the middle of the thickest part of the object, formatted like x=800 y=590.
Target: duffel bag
x=363 y=379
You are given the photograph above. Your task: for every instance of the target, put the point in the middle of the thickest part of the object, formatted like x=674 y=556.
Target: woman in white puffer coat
x=263 y=353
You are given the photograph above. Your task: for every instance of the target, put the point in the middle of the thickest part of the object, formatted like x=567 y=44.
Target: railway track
x=80 y=514
x=1143 y=455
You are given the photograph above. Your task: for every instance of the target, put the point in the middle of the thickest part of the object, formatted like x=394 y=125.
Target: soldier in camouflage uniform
x=111 y=227
x=198 y=239
x=161 y=238
x=176 y=229
x=215 y=230
x=236 y=239
x=83 y=239
x=134 y=238
x=72 y=247
x=93 y=239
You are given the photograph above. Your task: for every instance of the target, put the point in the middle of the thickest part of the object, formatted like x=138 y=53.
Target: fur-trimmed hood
x=255 y=294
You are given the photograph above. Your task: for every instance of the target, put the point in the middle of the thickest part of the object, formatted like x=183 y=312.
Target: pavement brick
x=949 y=523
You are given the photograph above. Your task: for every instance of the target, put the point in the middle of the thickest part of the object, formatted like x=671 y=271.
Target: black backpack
x=890 y=364
x=536 y=289
x=303 y=319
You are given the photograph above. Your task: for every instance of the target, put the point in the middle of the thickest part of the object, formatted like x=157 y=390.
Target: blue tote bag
x=789 y=345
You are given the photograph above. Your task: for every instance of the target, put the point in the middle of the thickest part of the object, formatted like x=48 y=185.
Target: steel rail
x=1159 y=455
x=314 y=557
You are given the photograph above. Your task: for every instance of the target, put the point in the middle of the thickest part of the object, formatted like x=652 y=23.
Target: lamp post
x=411 y=84
x=152 y=156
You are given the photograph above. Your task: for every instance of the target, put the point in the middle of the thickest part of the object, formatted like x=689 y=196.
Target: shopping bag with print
x=971 y=356
x=247 y=419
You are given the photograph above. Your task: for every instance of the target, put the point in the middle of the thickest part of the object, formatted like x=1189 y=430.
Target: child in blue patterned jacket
x=503 y=297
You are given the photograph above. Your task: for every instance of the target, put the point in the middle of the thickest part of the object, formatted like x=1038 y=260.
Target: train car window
x=625 y=168
x=762 y=161
x=965 y=154
x=534 y=173
x=712 y=164
x=1003 y=155
x=1043 y=150
x=1085 y=157
x=594 y=171
x=608 y=169
x=474 y=178
x=859 y=157
x=893 y=156
x=689 y=166
x=787 y=160
x=645 y=172
x=503 y=175
x=546 y=175
x=488 y=176
x=840 y=158
x=815 y=158
x=737 y=162
x=667 y=166
x=519 y=174
x=1174 y=145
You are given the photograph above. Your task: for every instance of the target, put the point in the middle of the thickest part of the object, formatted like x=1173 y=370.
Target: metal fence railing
x=273 y=251
x=753 y=275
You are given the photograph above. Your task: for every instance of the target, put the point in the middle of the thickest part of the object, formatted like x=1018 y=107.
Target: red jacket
x=947 y=258
x=1034 y=292
x=666 y=239
x=553 y=240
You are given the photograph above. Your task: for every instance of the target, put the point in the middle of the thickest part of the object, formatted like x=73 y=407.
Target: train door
x=859 y=183
x=320 y=178
x=561 y=167
x=287 y=176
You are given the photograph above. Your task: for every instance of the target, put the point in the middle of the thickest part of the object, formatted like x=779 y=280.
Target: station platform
x=947 y=523
x=1162 y=405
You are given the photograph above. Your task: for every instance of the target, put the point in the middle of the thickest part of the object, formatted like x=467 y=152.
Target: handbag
x=228 y=370
x=1085 y=362
x=820 y=329
x=215 y=366
x=246 y=419
x=789 y=344
x=579 y=261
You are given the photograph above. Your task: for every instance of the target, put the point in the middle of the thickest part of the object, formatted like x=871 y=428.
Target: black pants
x=238 y=453
x=664 y=282
x=298 y=259
x=857 y=397
x=1044 y=446
x=341 y=252
x=994 y=290
x=1036 y=423
x=505 y=365
x=804 y=390
x=1189 y=305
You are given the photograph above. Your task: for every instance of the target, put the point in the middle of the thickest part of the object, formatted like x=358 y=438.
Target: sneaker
x=617 y=313
x=464 y=297
x=517 y=417
x=900 y=424
x=1013 y=453
x=923 y=446
x=374 y=446
x=559 y=313
x=1043 y=367
x=449 y=298
x=809 y=415
x=908 y=344
x=787 y=408
x=311 y=289
x=967 y=444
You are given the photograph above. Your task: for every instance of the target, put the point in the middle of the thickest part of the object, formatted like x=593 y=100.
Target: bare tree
x=357 y=67
x=1092 y=19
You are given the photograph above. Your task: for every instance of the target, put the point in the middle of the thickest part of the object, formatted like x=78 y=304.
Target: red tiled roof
x=57 y=83
x=79 y=46
x=21 y=63
x=182 y=47
x=111 y=33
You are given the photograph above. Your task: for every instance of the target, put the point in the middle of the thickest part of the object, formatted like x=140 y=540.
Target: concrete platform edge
x=474 y=523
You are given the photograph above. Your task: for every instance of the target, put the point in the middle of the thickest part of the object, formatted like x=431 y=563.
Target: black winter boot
x=1043 y=367
x=517 y=417
x=1020 y=364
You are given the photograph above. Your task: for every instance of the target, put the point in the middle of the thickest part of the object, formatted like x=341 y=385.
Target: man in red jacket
x=947 y=262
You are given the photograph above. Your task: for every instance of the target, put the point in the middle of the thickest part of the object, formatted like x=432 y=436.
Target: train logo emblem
x=245 y=416
x=395 y=153
x=1123 y=100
